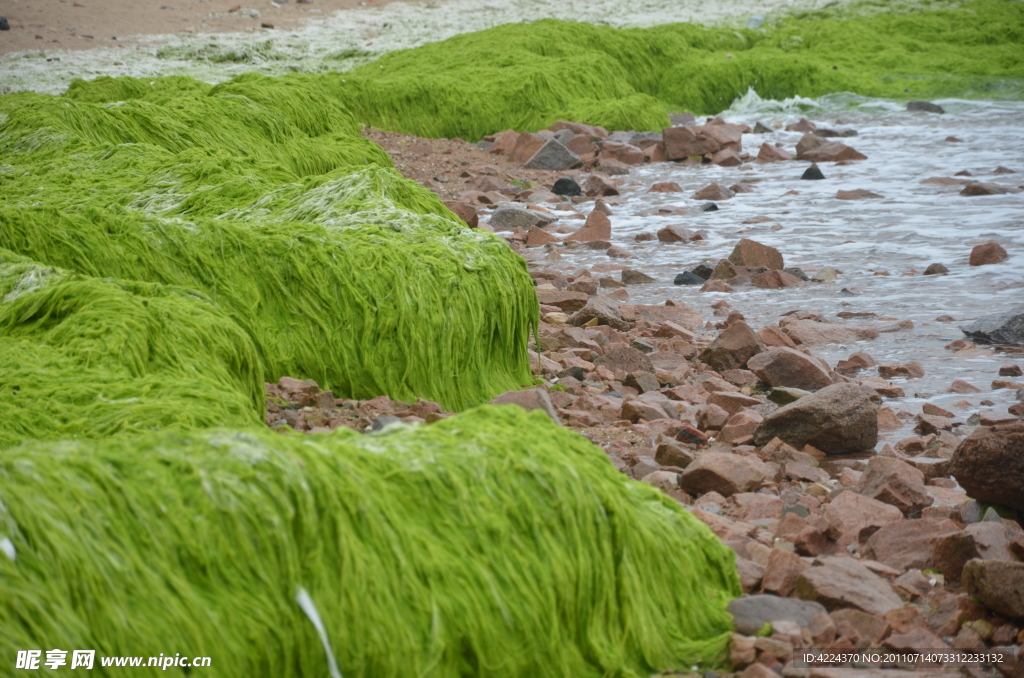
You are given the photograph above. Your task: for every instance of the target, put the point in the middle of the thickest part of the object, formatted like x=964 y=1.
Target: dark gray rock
x=381 y=422
x=926 y=106
x=827 y=132
x=633 y=277
x=936 y=269
x=644 y=139
x=566 y=186
x=998 y=584
x=619 y=137
x=709 y=207
x=688 y=278
x=553 y=156
x=512 y=216
x=563 y=136
x=812 y=173
x=761 y=129
x=751 y=613
x=682 y=119
x=703 y=270
x=998 y=328
x=838 y=419
x=4 y=26
x=484 y=144
x=797 y=272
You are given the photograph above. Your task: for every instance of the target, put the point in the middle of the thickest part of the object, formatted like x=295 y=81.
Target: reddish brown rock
x=776 y=280
x=857 y=194
x=772 y=335
x=832 y=151
x=624 y=359
x=789 y=367
x=961 y=386
x=538 y=237
x=838 y=419
x=843 y=582
x=601 y=185
x=740 y=425
x=770 y=153
x=526 y=146
x=504 y=142
x=529 y=399
x=581 y=145
x=999 y=585
x=604 y=310
x=598 y=227
x=751 y=253
x=464 y=211
x=685 y=142
x=624 y=153
x=850 y=513
x=665 y=187
x=811 y=333
x=895 y=482
x=911 y=370
x=732 y=402
x=802 y=125
x=713 y=191
x=781 y=572
x=724 y=473
x=988 y=253
x=984 y=188
x=564 y=300
x=675 y=233
x=731 y=348
x=726 y=157
x=908 y=543
x=989 y=464
x=951 y=552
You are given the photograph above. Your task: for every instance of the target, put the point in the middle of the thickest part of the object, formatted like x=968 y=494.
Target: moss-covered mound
x=526 y=76
x=261 y=196
x=492 y=544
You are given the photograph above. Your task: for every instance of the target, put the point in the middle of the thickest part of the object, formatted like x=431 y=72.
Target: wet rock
x=926 y=106
x=702 y=270
x=760 y=128
x=666 y=187
x=999 y=585
x=601 y=185
x=731 y=348
x=751 y=253
x=713 y=191
x=724 y=473
x=685 y=142
x=509 y=217
x=771 y=153
x=624 y=359
x=998 y=328
x=989 y=464
x=797 y=273
x=688 y=278
x=627 y=154
x=726 y=157
x=604 y=310
x=597 y=228
x=844 y=582
x=677 y=234
x=936 y=269
x=833 y=151
x=678 y=313
x=784 y=395
x=857 y=194
x=850 y=513
x=838 y=419
x=895 y=482
x=709 y=207
x=529 y=399
x=566 y=186
x=751 y=613
x=4 y=24
x=789 y=367
x=538 y=237
x=811 y=173
x=812 y=333
x=985 y=188
x=808 y=142
x=775 y=280
x=464 y=211
x=988 y=253
x=911 y=370
x=632 y=277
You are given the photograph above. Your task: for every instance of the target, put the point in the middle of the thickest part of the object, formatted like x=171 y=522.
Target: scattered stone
x=850 y=513
x=936 y=269
x=833 y=151
x=529 y=399
x=843 y=582
x=813 y=172
x=751 y=613
x=538 y=237
x=784 y=395
x=666 y=187
x=908 y=543
x=961 y=386
x=731 y=348
x=781 y=571
x=812 y=333
x=602 y=309
x=624 y=359
x=753 y=254
x=685 y=142
x=998 y=584
x=566 y=186
x=723 y=472
x=4 y=24
x=760 y=128
x=632 y=277
x=789 y=367
x=597 y=228
x=713 y=191
x=911 y=370
x=679 y=119
x=564 y=300
x=709 y=207
x=988 y=253
x=1011 y=371
x=951 y=552
x=726 y=157
x=856 y=194
x=464 y=211
x=998 y=328
x=677 y=234
x=895 y=482
x=511 y=216
x=989 y=464
x=688 y=278
x=525 y=147
x=976 y=188
x=775 y=280
x=772 y=153
x=926 y=106
x=838 y=419
x=601 y=185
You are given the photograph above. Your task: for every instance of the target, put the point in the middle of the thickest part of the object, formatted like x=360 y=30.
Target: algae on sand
x=261 y=194
x=495 y=543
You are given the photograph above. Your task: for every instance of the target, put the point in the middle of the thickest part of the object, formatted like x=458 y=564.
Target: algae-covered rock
x=412 y=544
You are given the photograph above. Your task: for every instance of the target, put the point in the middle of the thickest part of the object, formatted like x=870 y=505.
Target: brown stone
x=781 y=572
x=908 y=543
x=731 y=348
x=526 y=146
x=773 y=336
x=951 y=552
x=990 y=252
x=895 y=482
x=856 y=194
x=581 y=145
x=601 y=185
x=726 y=157
x=624 y=359
x=724 y=473
x=984 y=188
x=627 y=154
x=789 y=367
x=564 y=300
x=464 y=211
x=751 y=253
x=911 y=370
x=811 y=333
x=665 y=187
x=843 y=582
x=529 y=399
x=989 y=464
x=849 y=513
x=832 y=151
x=713 y=191
x=770 y=153
x=740 y=425
x=776 y=280
x=998 y=584
x=685 y=142
x=677 y=234
x=596 y=228
x=961 y=386
x=537 y=237
x=837 y=419
x=604 y=310
x=678 y=313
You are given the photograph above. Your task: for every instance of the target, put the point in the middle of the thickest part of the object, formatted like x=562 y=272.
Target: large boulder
x=751 y=253
x=998 y=328
x=838 y=419
x=789 y=367
x=732 y=348
x=997 y=584
x=989 y=464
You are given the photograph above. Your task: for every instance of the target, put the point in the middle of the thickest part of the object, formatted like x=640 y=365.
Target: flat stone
x=895 y=482
x=849 y=513
x=724 y=473
x=908 y=543
x=782 y=367
x=511 y=216
x=751 y=613
x=529 y=399
x=998 y=328
x=844 y=582
x=602 y=308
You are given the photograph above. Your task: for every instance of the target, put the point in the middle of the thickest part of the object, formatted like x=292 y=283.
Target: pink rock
x=988 y=253
x=895 y=482
x=849 y=513
x=751 y=253
x=724 y=473
x=598 y=227
x=770 y=153
x=789 y=367
x=909 y=543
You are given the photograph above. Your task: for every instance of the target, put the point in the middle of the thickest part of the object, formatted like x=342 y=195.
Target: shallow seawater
x=881 y=246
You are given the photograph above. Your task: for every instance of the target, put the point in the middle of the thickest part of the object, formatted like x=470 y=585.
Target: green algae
x=495 y=543
x=526 y=76
x=261 y=195
x=95 y=358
